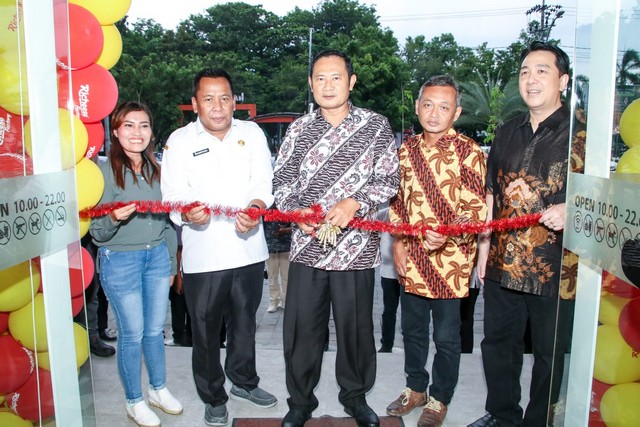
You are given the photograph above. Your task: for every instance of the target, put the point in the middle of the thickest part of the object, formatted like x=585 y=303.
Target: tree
x=142 y=37
x=629 y=68
x=440 y=55
x=549 y=14
x=487 y=106
x=267 y=56
x=141 y=80
x=380 y=71
x=340 y=17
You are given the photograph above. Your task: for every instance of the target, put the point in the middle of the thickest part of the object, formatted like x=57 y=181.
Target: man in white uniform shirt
x=220 y=161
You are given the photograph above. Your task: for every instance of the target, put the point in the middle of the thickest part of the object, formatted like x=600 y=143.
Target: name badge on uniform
x=200 y=152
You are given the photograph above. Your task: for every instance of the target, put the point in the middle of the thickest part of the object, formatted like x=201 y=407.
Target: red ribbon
x=156 y=207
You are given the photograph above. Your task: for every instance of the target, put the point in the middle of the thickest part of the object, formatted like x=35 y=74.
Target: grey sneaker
x=216 y=415
x=257 y=396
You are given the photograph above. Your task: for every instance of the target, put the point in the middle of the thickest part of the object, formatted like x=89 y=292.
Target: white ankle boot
x=142 y=415
x=164 y=400
x=273 y=306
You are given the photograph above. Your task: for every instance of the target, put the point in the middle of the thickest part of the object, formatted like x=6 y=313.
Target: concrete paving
x=467 y=404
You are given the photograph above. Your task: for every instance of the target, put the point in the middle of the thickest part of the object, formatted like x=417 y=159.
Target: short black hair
x=562 y=59
x=332 y=52
x=444 y=81
x=213 y=73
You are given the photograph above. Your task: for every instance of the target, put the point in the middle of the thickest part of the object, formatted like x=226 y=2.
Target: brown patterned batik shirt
x=527 y=173
x=438 y=186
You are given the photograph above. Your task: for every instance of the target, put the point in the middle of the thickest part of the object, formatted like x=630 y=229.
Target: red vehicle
x=275 y=126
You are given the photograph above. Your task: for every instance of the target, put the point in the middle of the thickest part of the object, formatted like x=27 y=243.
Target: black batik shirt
x=527 y=173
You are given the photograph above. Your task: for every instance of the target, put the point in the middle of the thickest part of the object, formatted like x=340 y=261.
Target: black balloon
x=630 y=260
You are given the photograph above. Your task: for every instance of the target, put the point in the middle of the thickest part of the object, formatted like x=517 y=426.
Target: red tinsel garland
x=157 y=207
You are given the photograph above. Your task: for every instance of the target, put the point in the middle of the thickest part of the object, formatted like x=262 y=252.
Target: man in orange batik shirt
x=442 y=182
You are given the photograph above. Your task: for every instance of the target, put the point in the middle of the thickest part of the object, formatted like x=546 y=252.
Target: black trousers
x=416 y=317
x=467 y=308
x=505 y=319
x=390 y=298
x=233 y=295
x=180 y=319
x=311 y=295
x=103 y=309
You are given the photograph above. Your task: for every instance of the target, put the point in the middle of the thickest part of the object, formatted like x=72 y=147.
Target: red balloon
x=12 y=164
x=629 y=323
x=4 y=321
x=11 y=130
x=79 y=40
x=597 y=390
x=96 y=139
x=16 y=364
x=615 y=285
x=81 y=269
x=76 y=305
x=94 y=92
x=24 y=401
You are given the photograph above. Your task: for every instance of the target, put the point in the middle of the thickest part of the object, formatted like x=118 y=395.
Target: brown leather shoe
x=407 y=402
x=433 y=414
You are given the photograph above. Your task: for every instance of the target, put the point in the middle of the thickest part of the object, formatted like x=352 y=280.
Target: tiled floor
x=467 y=404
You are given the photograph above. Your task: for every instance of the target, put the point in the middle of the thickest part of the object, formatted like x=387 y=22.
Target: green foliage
x=379 y=70
x=629 y=68
x=486 y=104
x=267 y=56
x=440 y=55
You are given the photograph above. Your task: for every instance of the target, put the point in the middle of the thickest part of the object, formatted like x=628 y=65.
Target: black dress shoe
x=108 y=334
x=490 y=421
x=385 y=348
x=100 y=349
x=364 y=415
x=295 y=418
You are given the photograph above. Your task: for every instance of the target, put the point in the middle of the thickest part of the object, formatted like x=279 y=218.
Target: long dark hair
x=119 y=160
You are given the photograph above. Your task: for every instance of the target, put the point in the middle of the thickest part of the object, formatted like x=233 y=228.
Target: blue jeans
x=137 y=285
x=415 y=319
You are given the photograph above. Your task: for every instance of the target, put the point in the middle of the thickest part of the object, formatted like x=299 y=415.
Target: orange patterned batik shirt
x=440 y=185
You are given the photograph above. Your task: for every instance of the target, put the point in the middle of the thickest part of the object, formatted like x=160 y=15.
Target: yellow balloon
x=106 y=11
x=630 y=124
x=619 y=405
x=72 y=133
x=9 y=419
x=81 y=338
x=85 y=223
x=614 y=359
x=43 y=360
x=89 y=183
x=112 y=48
x=610 y=308
x=22 y=326
x=16 y=289
x=74 y=138
x=630 y=161
x=14 y=93
x=11 y=30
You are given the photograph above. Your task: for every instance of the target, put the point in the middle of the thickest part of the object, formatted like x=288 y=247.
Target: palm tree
x=486 y=104
x=629 y=68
